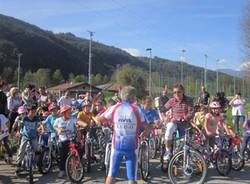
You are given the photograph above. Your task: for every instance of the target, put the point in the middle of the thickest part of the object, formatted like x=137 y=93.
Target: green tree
x=80 y=78
x=105 y=79
x=71 y=77
x=128 y=75
x=29 y=77
x=7 y=74
x=43 y=77
x=98 y=79
x=57 y=77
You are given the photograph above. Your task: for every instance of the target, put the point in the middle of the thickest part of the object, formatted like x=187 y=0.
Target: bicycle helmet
x=65 y=108
x=22 y=109
x=214 y=104
x=52 y=107
x=86 y=103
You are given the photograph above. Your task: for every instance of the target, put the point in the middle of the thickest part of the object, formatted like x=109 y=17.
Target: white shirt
x=64 y=101
x=13 y=103
x=238 y=107
x=67 y=128
x=3 y=127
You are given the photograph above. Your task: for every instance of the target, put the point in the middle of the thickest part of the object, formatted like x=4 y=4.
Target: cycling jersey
x=30 y=128
x=151 y=115
x=126 y=119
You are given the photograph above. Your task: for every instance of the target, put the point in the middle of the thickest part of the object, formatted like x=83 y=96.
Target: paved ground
x=7 y=176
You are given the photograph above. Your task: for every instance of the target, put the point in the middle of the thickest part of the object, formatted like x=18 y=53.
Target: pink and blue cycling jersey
x=126 y=119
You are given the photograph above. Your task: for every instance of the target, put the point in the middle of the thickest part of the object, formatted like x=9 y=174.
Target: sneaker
x=61 y=174
x=166 y=156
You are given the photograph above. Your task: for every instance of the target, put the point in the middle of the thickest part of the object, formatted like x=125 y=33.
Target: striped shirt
x=180 y=109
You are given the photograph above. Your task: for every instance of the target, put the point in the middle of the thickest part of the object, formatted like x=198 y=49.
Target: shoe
x=61 y=174
x=167 y=157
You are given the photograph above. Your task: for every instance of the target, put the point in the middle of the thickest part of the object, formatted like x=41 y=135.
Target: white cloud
x=245 y=65
x=132 y=51
x=221 y=61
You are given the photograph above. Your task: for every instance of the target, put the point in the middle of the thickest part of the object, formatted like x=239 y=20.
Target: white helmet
x=214 y=104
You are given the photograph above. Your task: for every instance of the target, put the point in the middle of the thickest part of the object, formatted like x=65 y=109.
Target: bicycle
x=74 y=165
x=187 y=164
x=143 y=160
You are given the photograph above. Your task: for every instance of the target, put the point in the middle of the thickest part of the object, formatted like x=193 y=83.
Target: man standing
x=163 y=98
x=3 y=99
x=204 y=97
x=127 y=119
x=238 y=111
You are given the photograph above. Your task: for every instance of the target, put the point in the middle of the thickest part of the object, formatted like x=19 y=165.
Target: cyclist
x=30 y=126
x=151 y=114
x=199 y=118
x=65 y=129
x=85 y=117
x=181 y=107
x=246 y=133
x=127 y=119
x=214 y=123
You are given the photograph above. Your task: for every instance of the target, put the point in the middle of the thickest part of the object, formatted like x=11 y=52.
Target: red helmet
x=52 y=107
x=65 y=108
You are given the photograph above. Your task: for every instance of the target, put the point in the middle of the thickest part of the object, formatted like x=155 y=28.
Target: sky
x=211 y=27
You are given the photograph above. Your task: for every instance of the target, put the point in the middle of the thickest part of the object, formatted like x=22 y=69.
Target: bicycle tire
x=107 y=162
x=240 y=162
x=76 y=162
x=144 y=171
x=30 y=170
x=42 y=160
x=164 y=166
x=221 y=155
x=152 y=147
x=199 y=156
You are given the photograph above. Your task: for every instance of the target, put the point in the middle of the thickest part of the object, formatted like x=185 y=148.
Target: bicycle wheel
x=164 y=165
x=144 y=162
x=74 y=168
x=246 y=154
x=44 y=162
x=88 y=157
x=223 y=162
x=107 y=159
x=30 y=167
x=152 y=147
x=193 y=171
x=238 y=161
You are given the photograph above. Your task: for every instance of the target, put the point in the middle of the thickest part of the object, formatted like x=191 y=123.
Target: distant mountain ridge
x=65 y=51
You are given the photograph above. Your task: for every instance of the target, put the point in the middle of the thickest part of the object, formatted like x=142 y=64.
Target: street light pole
x=150 y=71
x=205 y=71
x=18 y=69
x=90 y=60
x=182 y=60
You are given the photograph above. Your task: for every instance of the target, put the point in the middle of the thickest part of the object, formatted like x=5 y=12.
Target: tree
x=129 y=75
x=80 y=78
x=29 y=77
x=7 y=74
x=57 y=77
x=71 y=77
x=43 y=77
x=98 y=79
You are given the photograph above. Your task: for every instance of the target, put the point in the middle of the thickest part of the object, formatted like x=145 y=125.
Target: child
x=31 y=125
x=214 y=123
x=65 y=128
x=199 y=118
x=246 y=133
x=4 y=136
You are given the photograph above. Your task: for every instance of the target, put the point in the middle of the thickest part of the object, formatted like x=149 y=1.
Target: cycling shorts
x=131 y=157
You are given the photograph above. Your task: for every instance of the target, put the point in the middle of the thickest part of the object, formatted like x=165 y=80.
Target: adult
x=163 y=98
x=14 y=102
x=3 y=98
x=238 y=111
x=181 y=107
x=65 y=100
x=127 y=119
x=204 y=97
x=43 y=99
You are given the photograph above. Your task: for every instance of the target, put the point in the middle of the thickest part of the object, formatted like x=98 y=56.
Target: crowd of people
x=30 y=113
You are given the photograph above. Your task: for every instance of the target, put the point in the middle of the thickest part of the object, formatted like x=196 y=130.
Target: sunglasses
x=177 y=92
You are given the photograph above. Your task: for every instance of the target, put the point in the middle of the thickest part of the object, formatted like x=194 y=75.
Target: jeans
x=64 y=150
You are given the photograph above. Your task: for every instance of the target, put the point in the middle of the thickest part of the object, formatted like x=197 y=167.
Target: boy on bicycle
x=31 y=125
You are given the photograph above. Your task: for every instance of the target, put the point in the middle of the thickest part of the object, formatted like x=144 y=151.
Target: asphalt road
x=7 y=176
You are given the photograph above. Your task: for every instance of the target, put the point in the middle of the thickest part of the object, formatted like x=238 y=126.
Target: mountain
x=234 y=73
x=65 y=51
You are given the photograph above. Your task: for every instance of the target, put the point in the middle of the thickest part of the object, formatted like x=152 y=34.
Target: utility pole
x=182 y=60
x=205 y=71
x=91 y=33
x=150 y=71
x=18 y=69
